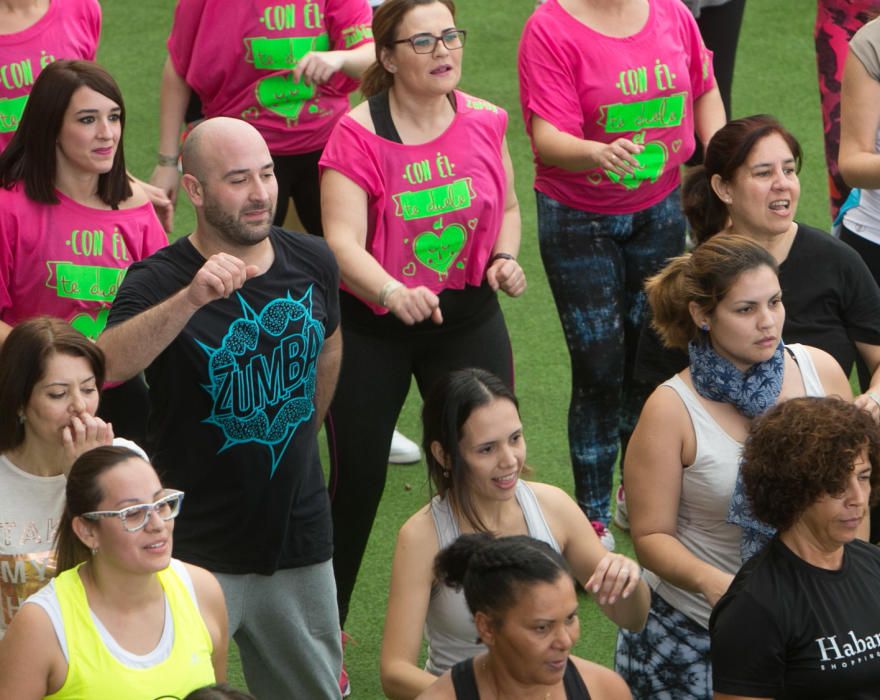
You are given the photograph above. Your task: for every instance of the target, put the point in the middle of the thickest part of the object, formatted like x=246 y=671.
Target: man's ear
x=193 y=188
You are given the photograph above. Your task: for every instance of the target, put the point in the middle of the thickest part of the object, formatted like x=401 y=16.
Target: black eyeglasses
x=453 y=39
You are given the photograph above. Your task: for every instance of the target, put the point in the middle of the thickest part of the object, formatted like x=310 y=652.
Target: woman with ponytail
x=522 y=596
x=420 y=209
x=749 y=186
x=723 y=305
x=122 y=619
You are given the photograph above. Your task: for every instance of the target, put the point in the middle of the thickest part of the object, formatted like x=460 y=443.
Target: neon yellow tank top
x=93 y=673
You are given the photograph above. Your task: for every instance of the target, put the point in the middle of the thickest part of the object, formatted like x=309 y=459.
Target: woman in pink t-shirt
x=34 y=33
x=419 y=208
x=71 y=220
x=611 y=95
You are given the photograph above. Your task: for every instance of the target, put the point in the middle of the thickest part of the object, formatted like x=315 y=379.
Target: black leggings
x=377 y=367
x=719 y=27
x=297 y=177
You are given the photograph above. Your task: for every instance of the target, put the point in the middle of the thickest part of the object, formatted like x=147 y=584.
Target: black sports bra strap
x=380 y=112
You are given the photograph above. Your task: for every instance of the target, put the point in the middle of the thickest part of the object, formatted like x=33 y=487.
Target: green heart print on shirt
x=88 y=326
x=280 y=93
x=652 y=161
x=438 y=252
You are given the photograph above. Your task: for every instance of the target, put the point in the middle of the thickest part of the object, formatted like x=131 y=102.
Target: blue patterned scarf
x=751 y=392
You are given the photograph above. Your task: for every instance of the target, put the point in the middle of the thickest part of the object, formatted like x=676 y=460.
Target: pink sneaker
x=344 y=684
x=604 y=534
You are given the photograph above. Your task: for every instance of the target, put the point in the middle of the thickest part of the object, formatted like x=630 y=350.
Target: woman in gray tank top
x=474 y=446
x=723 y=304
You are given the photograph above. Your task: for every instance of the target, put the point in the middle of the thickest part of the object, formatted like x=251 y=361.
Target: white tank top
x=706 y=488
x=449 y=625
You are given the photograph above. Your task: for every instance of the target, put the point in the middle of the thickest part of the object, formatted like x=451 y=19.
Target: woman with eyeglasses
x=50 y=382
x=420 y=209
x=612 y=94
x=122 y=619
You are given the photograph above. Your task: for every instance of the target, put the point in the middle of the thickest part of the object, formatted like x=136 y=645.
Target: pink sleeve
x=349 y=23
x=702 y=74
x=347 y=153
x=187 y=20
x=7 y=224
x=154 y=235
x=93 y=27
x=546 y=81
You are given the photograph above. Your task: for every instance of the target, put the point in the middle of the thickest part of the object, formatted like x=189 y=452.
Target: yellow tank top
x=93 y=673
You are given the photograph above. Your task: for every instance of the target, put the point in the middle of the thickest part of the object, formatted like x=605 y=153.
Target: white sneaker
x=403 y=450
x=621 y=517
x=604 y=534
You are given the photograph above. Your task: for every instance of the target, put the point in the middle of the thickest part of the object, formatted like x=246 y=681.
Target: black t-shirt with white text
x=788 y=630
x=232 y=416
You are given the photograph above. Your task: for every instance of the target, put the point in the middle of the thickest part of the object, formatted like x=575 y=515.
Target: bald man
x=235 y=326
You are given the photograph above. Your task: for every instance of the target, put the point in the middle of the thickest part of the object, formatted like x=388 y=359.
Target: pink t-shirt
x=601 y=88
x=434 y=209
x=69 y=29
x=67 y=259
x=239 y=59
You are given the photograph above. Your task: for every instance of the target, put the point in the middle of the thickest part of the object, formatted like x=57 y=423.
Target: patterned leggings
x=596 y=265
x=836 y=22
x=668 y=660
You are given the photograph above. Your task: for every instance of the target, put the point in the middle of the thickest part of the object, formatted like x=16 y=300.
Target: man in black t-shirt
x=235 y=326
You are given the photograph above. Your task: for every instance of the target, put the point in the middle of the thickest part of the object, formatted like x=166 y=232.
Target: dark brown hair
x=803 y=449
x=30 y=155
x=703 y=276
x=23 y=360
x=447 y=408
x=728 y=149
x=83 y=496
x=493 y=571
x=386 y=22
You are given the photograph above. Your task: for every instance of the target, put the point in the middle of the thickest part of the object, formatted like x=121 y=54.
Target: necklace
x=490 y=674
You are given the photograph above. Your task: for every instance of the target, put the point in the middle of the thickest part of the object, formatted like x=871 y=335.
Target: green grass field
x=775 y=74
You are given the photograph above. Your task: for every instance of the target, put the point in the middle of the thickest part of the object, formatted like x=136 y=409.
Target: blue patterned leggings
x=668 y=660
x=596 y=265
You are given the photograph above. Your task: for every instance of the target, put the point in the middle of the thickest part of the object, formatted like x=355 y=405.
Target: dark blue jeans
x=596 y=265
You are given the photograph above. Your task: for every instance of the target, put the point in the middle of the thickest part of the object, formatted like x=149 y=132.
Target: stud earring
x=21 y=418
x=705 y=328
x=94 y=551
x=445 y=473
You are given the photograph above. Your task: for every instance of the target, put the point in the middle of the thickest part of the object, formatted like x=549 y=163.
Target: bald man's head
x=229 y=175
x=201 y=146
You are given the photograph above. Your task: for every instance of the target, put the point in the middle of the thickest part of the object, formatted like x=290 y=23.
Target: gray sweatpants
x=287 y=629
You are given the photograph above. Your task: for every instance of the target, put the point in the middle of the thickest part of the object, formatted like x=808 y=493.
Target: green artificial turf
x=775 y=73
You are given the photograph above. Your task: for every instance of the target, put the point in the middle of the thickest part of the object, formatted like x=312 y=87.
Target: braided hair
x=492 y=569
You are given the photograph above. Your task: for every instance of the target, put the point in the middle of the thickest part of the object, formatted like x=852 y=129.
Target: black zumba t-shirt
x=789 y=630
x=232 y=417
x=830 y=297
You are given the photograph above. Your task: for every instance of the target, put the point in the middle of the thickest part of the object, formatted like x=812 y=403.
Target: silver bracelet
x=387 y=290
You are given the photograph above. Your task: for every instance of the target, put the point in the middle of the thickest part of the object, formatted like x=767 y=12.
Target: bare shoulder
x=602 y=683
x=832 y=377
x=205 y=584
x=441 y=689
x=419 y=528
x=361 y=114
x=138 y=196
x=553 y=501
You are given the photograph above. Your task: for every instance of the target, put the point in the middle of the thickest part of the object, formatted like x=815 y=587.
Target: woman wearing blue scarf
x=724 y=305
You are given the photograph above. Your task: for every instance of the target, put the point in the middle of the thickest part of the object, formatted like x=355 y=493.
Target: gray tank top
x=449 y=625
x=706 y=488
